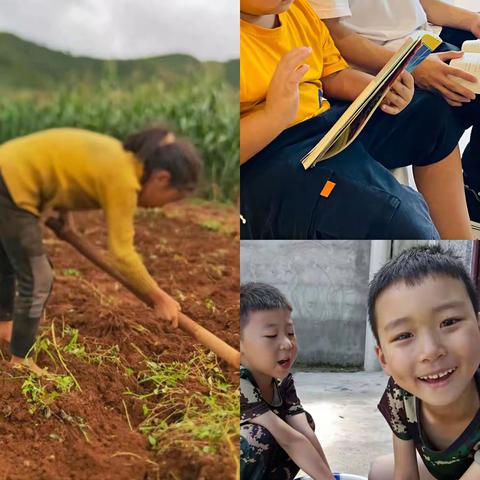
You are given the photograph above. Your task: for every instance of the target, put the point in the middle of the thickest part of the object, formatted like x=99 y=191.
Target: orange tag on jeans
x=327 y=189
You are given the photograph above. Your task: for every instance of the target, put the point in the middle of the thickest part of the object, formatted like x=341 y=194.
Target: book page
x=471 y=46
x=470 y=62
x=352 y=121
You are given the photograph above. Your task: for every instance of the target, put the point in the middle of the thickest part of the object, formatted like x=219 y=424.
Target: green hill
x=25 y=65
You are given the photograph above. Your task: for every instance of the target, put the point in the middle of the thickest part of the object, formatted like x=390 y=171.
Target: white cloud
x=207 y=29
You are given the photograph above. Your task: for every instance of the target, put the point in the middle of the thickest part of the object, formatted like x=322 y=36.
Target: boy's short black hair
x=153 y=147
x=257 y=296
x=412 y=267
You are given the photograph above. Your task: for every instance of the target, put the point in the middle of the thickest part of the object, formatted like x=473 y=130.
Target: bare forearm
x=257 y=130
x=406 y=476
x=346 y=84
x=472 y=473
x=441 y=13
x=316 y=445
x=303 y=453
x=356 y=49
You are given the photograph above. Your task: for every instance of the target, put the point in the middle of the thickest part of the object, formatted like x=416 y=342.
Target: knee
x=42 y=283
x=412 y=219
x=381 y=468
x=434 y=108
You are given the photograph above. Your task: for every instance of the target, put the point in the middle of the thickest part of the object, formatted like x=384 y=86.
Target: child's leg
x=382 y=469
x=7 y=296
x=441 y=184
x=280 y=200
x=261 y=456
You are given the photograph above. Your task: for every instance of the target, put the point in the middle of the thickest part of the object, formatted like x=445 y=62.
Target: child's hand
x=400 y=94
x=282 y=96
x=166 y=308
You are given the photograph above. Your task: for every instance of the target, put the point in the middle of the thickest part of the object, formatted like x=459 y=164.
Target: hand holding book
x=469 y=63
x=400 y=94
x=351 y=123
x=435 y=74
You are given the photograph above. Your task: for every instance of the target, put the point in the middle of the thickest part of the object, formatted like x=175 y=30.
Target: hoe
x=192 y=328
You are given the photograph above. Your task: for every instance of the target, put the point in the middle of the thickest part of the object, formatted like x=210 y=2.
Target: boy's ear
x=381 y=358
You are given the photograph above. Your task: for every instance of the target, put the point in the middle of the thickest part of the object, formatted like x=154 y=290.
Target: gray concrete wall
x=327 y=282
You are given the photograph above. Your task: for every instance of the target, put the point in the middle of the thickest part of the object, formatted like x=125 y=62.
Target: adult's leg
x=382 y=468
x=34 y=279
x=442 y=186
x=21 y=240
x=456 y=37
x=425 y=135
x=7 y=296
x=469 y=116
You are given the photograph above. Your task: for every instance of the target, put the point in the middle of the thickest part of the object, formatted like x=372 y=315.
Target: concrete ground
x=344 y=406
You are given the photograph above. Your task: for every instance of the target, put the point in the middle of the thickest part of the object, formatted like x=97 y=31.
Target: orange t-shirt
x=262 y=48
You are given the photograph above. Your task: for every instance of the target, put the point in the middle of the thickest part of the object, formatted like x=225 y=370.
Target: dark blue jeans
x=280 y=200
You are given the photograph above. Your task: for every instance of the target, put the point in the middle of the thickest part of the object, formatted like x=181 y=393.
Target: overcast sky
x=207 y=29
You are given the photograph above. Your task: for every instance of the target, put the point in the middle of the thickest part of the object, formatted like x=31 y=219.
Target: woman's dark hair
x=159 y=149
x=412 y=267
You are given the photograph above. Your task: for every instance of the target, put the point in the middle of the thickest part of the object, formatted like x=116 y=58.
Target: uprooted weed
x=41 y=392
x=204 y=419
x=185 y=404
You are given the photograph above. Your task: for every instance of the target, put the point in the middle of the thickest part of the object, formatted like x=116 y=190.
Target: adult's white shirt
x=386 y=22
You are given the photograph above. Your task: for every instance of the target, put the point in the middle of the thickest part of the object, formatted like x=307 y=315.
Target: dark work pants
x=24 y=269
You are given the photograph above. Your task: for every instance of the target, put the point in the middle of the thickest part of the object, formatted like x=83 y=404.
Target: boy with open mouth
x=423 y=313
x=277 y=436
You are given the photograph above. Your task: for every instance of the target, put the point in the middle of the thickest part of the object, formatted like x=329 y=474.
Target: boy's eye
x=291 y=334
x=402 y=336
x=269 y=336
x=449 y=322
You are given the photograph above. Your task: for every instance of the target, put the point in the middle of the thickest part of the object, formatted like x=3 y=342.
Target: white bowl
x=348 y=476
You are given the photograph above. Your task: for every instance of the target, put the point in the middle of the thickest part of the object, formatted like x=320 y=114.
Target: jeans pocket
x=354 y=210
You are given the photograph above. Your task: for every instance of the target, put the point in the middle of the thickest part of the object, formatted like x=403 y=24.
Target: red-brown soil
x=191 y=261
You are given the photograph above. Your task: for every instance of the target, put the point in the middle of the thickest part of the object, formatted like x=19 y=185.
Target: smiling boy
x=423 y=312
x=276 y=434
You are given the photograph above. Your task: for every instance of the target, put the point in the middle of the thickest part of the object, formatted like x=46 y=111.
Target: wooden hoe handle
x=201 y=334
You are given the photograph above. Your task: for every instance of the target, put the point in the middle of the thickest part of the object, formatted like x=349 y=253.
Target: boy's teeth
x=437 y=375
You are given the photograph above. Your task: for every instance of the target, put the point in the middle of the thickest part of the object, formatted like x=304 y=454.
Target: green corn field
x=206 y=111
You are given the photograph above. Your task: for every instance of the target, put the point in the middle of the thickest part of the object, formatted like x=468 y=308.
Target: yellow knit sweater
x=73 y=169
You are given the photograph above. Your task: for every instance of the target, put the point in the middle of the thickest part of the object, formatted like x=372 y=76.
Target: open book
x=470 y=62
x=351 y=123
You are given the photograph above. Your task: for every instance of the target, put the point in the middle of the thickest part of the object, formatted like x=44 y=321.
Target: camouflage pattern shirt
x=403 y=414
x=252 y=404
